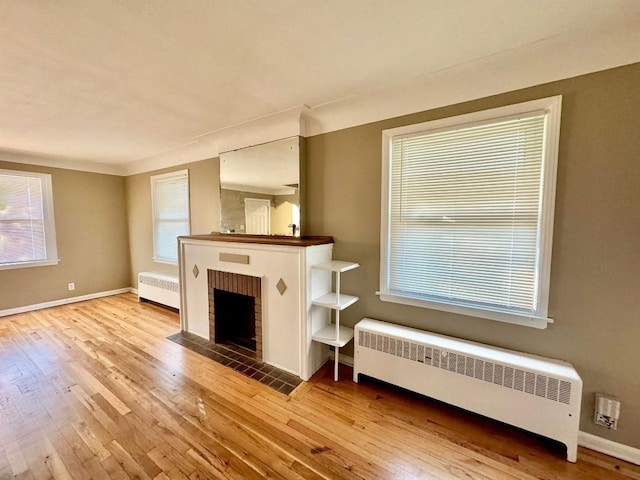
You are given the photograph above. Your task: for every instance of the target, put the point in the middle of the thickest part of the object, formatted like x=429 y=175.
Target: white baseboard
x=62 y=301
x=134 y=291
x=613 y=449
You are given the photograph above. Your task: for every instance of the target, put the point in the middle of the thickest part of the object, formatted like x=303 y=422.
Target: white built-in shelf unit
x=333 y=334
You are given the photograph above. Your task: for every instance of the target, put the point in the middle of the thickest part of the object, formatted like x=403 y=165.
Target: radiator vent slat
x=488 y=372
x=500 y=375
x=518 y=383
x=453 y=358
x=170 y=285
x=541 y=385
x=529 y=382
x=552 y=389
x=428 y=356
x=565 y=392
x=444 y=360
x=508 y=377
x=462 y=361
x=469 y=367
x=497 y=374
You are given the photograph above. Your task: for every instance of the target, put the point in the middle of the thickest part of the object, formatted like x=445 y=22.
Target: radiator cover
x=159 y=288
x=537 y=394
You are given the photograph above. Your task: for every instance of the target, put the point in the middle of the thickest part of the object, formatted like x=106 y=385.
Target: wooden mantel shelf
x=304 y=241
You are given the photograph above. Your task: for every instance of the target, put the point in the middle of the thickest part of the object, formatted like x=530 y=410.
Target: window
x=27 y=227
x=170 y=204
x=468 y=212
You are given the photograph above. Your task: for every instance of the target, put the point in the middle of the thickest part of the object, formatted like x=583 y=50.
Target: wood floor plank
x=64 y=454
x=172 y=464
x=113 y=468
x=92 y=442
x=77 y=445
x=95 y=390
x=14 y=458
x=95 y=468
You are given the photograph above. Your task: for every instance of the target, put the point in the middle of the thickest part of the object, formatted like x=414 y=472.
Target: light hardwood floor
x=94 y=390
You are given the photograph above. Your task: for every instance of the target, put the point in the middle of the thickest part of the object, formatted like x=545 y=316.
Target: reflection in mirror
x=259 y=189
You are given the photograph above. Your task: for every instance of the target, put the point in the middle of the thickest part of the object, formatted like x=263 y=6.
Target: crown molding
x=55 y=161
x=280 y=125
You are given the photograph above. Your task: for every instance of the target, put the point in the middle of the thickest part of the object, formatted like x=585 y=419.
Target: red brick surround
x=236 y=283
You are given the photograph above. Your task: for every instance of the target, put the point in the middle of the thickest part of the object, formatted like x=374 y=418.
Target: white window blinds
x=170 y=213
x=27 y=234
x=465 y=213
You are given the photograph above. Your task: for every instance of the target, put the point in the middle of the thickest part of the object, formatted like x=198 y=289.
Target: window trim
x=153 y=179
x=49 y=222
x=552 y=107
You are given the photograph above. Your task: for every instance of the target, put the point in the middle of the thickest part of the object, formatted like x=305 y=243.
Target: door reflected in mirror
x=260 y=189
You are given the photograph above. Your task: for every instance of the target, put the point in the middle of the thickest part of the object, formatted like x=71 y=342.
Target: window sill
x=516 y=319
x=164 y=260
x=43 y=263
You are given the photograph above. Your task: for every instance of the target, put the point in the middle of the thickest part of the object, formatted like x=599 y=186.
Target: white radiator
x=537 y=394
x=160 y=288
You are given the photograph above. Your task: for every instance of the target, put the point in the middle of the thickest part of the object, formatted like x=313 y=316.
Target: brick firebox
x=236 y=283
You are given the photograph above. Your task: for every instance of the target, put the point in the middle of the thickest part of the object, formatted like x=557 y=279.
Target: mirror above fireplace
x=260 y=189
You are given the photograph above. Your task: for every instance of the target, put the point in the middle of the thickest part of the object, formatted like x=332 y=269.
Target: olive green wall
x=204 y=198
x=91 y=234
x=104 y=234
x=595 y=280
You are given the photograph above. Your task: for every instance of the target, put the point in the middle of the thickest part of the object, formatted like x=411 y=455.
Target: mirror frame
x=235 y=155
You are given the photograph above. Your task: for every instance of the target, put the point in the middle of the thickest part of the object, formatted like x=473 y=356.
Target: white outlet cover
x=607 y=411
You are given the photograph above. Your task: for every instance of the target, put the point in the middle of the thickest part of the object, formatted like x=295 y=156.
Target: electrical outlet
x=72 y=286
x=607 y=411
x=605 y=421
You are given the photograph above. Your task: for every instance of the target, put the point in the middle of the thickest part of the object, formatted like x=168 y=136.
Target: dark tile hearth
x=241 y=359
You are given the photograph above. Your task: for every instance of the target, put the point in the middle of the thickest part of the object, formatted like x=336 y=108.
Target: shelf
x=330 y=300
x=328 y=336
x=336 y=301
x=336 y=266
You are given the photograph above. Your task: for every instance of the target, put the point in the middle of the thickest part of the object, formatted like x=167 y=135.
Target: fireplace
x=278 y=274
x=235 y=309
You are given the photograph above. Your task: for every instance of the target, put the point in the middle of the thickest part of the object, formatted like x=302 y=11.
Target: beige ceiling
x=120 y=82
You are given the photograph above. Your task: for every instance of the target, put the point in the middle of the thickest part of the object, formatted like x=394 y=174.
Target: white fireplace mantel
x=288 y=318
